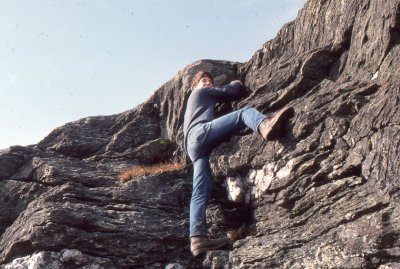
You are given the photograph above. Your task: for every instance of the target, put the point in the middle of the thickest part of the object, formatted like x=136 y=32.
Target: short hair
x=199 y=75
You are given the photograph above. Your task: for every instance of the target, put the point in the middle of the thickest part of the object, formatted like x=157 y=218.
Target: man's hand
x=237 y=81
x=244 y=91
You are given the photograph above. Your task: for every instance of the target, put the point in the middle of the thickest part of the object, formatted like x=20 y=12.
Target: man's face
x=204 y=82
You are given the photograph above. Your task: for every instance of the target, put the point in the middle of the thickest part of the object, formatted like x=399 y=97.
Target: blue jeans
x=201 y=140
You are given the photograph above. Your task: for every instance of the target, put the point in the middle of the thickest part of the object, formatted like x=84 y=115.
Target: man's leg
x=223 y=127
x=216 y=131
x=202 y=187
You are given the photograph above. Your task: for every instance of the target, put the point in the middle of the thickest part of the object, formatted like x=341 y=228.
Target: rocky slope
x=324 y=196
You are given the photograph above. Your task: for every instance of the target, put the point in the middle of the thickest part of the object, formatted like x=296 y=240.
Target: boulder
x=324 y=195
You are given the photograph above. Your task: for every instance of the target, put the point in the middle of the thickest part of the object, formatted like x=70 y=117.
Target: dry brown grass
x=138 y=171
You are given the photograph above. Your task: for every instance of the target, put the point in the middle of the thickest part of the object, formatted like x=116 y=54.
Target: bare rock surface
x=325 y=195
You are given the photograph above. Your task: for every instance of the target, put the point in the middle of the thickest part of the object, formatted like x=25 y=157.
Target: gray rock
x=325 y=195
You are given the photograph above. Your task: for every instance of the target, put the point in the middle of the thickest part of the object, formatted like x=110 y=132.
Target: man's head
x=202 y=79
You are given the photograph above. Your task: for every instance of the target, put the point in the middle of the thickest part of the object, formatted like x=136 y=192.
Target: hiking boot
x=271 y=127
x=201 y=244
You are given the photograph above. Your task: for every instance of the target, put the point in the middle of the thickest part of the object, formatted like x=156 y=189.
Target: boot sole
x=203 y=250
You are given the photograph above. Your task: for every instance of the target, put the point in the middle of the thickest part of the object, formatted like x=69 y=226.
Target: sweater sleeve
x=230 y=92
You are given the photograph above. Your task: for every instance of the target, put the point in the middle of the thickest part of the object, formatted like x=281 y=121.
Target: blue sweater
x=201 y=104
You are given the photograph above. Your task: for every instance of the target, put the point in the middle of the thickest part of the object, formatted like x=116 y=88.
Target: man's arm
x=230 y=92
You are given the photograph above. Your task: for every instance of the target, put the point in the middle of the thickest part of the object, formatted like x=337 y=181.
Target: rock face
x=326 y=195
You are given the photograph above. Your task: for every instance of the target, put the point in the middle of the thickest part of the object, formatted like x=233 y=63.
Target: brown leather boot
x=201 y=244
x=271 y=127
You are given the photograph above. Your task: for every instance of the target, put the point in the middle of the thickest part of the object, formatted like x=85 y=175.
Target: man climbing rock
x=203 y=132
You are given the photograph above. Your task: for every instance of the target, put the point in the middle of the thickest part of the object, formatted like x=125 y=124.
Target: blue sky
x=62 y=60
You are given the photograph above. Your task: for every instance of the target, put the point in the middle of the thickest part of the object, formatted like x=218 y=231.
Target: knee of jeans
x=192 y=155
